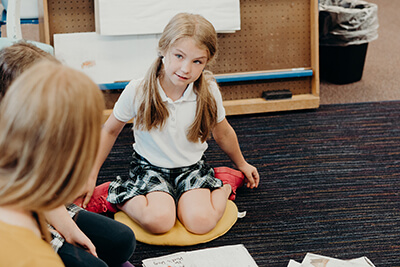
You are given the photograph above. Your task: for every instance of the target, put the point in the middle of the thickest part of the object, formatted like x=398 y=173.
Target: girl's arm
x=63 y=223
x=226 y=138
x=109 y=134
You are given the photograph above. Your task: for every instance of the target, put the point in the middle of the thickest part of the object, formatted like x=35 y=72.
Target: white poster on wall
x=107 y=59
x=127 y=17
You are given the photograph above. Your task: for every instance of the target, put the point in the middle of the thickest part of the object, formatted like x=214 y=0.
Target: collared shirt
x=167 y=147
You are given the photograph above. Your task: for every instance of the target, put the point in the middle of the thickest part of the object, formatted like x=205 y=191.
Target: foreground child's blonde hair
x=15 y=59
x=50 y=121
x=152 y=111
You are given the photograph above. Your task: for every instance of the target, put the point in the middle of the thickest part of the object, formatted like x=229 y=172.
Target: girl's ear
x=161 y=56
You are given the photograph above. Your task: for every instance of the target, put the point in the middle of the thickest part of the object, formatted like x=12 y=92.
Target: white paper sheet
x=293 y=263
x=127 y=17
x=107 y=59
x=225 y=256
x=314 y=260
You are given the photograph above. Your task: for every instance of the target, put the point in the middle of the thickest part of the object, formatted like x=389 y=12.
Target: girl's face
x=183 y=64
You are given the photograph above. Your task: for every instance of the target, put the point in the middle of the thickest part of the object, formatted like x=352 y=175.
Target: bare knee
x=199 y=223
x=158 y=223
x=199 y=211
x=156 y=212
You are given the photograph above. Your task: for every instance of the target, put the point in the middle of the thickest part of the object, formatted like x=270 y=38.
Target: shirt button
x=173 y=107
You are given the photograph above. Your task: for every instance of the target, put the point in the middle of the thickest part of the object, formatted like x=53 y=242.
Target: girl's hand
x=251 y=174
x=109 y=134
x=90 y=185
x=87 y=193
x=60 y=219
x=78 y=238
x=226 y=138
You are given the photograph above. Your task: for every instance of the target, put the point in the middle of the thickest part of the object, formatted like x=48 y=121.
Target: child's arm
x=226 y=138
x=109 y=134
x=63 y=223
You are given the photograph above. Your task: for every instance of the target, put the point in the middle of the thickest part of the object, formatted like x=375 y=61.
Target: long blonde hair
x=152 y=111
x=50 y=129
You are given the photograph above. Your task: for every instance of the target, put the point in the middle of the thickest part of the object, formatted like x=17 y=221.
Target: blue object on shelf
x=113 y=86
x=3 y=20
x=240 y=77
x=23 y=21
x=14 y=34
x=259 y=76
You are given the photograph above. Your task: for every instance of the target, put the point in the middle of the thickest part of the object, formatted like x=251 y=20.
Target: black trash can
x=345 y=29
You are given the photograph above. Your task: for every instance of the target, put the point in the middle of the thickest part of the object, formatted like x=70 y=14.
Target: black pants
x=114 y=242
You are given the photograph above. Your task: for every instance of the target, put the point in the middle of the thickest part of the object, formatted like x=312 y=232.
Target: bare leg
x=155 y=212
x=199 y=210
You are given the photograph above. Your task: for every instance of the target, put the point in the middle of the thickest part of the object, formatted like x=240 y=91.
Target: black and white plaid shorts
x=146 y=178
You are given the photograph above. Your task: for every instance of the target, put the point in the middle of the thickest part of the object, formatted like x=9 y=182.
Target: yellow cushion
x=178 y=235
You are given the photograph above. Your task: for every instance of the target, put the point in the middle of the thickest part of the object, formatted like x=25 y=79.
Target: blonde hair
x=15 y=59
x=50 y=129
x=152 y=111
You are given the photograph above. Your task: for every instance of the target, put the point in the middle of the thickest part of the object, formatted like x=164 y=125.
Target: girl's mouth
x=181 y=77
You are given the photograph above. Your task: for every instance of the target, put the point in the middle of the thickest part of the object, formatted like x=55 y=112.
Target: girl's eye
x=178 y=56
x=198 y=62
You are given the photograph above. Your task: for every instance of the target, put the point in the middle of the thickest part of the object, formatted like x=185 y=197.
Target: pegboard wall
x=274 y=35
x=68 y=16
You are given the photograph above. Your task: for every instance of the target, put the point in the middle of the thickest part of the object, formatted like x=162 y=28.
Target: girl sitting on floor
x=175 y=109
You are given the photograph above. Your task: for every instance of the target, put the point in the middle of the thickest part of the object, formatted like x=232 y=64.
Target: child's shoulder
x=134 y=84
x=210 y=78
x=213 y=86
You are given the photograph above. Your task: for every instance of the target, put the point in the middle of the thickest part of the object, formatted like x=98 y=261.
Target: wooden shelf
x=260 y=105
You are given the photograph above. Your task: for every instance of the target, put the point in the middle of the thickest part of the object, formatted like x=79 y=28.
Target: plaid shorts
x=146 y=178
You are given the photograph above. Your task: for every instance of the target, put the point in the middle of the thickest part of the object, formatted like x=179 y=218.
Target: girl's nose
x=185 y=67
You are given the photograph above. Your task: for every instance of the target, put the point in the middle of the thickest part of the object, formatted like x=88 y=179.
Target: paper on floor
x=314 y=260
x=225 y=256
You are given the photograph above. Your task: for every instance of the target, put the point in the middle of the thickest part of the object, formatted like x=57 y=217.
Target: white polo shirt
x=168 y=147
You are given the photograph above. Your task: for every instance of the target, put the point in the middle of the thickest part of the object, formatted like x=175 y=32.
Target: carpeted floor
x=330 y=183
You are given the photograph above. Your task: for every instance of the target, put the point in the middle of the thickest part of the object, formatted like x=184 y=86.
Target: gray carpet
x=330 y=183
